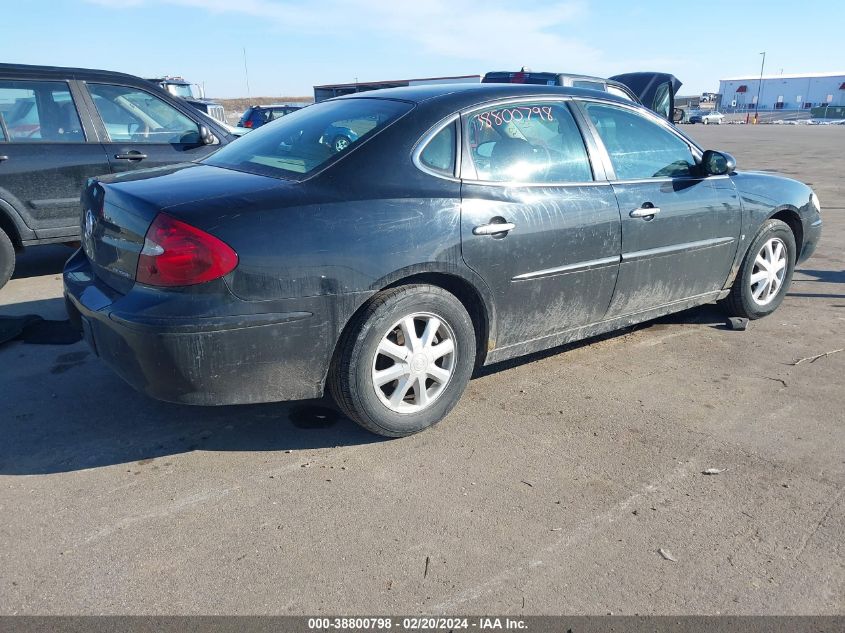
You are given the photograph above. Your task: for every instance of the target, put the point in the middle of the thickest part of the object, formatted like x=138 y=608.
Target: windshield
x=181 y=90
x=302 y=142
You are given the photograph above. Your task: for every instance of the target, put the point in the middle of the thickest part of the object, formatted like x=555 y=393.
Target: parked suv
x=257 y=115
x=59 y=126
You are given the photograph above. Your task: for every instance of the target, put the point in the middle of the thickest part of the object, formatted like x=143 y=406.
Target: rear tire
x=404 y=361
x=7 y=258
x=756 y=291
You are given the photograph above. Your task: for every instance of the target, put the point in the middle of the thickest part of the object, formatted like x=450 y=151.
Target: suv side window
x=39 y=111
x=439 y=153
x=640 y=148
x=136 y=116
x=528 y=142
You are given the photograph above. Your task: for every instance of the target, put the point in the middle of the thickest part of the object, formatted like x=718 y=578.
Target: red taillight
x=518 y=78
x=178 y=254
x=248 y=123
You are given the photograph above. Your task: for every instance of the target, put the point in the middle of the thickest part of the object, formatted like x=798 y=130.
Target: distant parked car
x=60 y=126
x=467 y=225
x=338 y=137
x=707 y=117
x=257 y=115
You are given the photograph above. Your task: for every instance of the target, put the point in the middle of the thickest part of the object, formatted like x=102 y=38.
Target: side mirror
x=717 y=163
x=677 y=115
x=206 y=136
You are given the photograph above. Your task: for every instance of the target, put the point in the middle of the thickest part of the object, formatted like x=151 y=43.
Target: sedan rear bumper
x=201 y=360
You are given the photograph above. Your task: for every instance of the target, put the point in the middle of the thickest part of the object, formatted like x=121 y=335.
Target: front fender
x=766 y=195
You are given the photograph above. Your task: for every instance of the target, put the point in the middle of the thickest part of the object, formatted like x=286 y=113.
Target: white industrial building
x=782 y=92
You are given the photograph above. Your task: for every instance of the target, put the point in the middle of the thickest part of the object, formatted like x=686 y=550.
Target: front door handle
x=133 y=155
x=645 y=212
x=493 y=229
x=2 y=158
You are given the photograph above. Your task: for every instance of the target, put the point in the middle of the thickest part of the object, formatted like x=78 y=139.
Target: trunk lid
x=118 y=210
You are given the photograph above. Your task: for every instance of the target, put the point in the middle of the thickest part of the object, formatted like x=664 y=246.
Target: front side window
x=304 y=141
x=638 y=147
x=529 y=143
x=439 y=152
x=134 y=116
x=39 y=111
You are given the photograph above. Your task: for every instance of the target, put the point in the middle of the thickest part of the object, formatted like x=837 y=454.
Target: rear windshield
x=544 y=79
x=302 y=142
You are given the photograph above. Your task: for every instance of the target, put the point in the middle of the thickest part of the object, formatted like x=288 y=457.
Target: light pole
x=246 y=73
x=759 y=87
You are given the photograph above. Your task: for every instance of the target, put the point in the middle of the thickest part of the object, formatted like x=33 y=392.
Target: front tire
x=766 y=272
x=7 y=258
x=404 y=361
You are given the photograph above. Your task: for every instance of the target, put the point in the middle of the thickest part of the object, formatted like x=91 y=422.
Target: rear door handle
x=493 y=229
x=645 y=212
x=2 y=158
x=131 y=156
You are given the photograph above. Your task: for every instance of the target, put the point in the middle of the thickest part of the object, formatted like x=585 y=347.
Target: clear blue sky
x=293 y=44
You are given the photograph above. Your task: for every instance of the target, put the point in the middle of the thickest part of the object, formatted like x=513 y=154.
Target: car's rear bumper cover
x=202 y=360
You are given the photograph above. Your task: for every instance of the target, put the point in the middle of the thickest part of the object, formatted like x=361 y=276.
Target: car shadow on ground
x=83 y=416
x=42 y=260
x=827 y=276
x=62 y=409
x=708 y=315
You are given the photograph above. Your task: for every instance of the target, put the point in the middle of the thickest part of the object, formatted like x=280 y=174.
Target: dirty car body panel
x=314 y=245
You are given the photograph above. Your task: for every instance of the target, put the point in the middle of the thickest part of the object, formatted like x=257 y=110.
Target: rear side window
x=304 y=141
x=39 y=111
x=638 y=147
x=528 y=142
x=439 y=153
x=135 y=116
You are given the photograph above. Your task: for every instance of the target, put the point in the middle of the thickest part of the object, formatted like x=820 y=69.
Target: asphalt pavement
x=567 y=482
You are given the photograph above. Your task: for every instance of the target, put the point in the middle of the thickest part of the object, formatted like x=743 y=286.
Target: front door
x=680 y=229
x=539 y=228
x=142 y=130
x=45 y=155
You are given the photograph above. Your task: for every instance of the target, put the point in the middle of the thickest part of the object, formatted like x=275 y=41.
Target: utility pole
x=246 y=72
x=759 y=87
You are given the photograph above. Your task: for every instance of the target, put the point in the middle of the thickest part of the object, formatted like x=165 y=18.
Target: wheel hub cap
x=414 y=363
x=768 y=272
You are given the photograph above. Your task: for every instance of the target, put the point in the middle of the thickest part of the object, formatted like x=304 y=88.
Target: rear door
x=537 y=224
x=680 y=229
x=49 y=152
x=140 y=129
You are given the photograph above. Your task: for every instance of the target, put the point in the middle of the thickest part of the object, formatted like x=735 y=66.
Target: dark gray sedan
x=464 y=225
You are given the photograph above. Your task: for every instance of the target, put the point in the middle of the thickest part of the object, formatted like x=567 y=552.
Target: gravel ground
x=550 y=489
